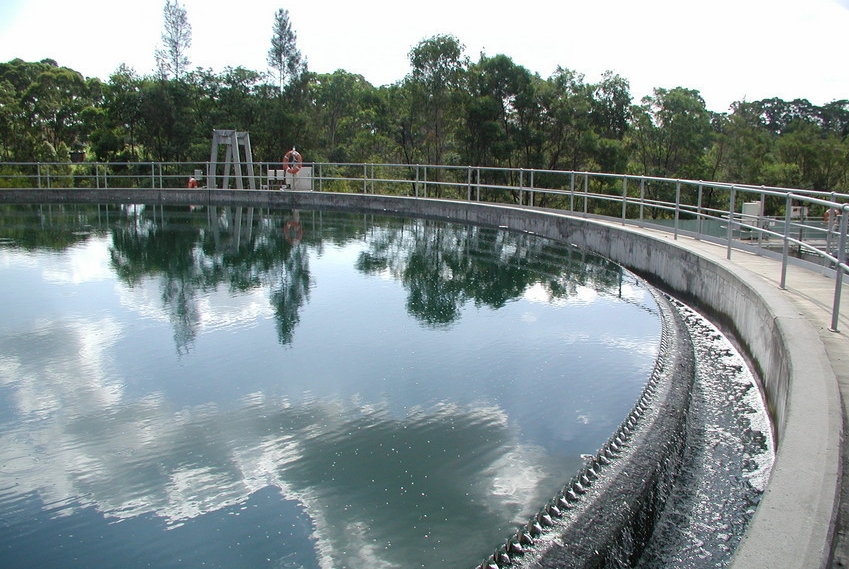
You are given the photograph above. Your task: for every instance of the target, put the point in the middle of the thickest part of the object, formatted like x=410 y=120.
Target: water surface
x=239 y=387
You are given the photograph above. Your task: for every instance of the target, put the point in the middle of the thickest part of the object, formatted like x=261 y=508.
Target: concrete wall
x=794 y=524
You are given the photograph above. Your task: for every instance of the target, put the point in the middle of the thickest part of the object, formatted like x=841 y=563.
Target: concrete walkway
x=811 y=293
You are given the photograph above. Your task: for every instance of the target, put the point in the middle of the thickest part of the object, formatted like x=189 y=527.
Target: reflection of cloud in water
x=216 y=309
x=44 y=391
x=13 y=258
x=85 y=262
x=639 y=347
x=383 y=490
x=636 y=346
x=628 y=290
x=539 y=292
x=89 y=262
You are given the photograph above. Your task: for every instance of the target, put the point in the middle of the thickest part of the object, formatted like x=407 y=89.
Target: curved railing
x=794 y=523
x=803 y=227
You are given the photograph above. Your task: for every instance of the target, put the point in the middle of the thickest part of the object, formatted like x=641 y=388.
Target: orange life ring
x=292 y=160
x=193 y=183
x=293 y=232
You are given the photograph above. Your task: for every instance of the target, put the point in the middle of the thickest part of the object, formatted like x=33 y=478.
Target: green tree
x=435 y=83
x=173 y=57
x=743 y=146
x=167 y=122
x=670 y=138
x=778 y=116
x=610 y=116
x=818 y=158
x=569 y=134
x=53 y=104
x=672 y=132
x=346 y=109
x=287 y=121
x=9 y=120
x=834 y=117
x=284 y=57
x=445 y=111
x=403 y=123
x=122 y=101
x=494 y=84
x=237 y=98
x=20 y=139
x=611 y=106
x=505 y=115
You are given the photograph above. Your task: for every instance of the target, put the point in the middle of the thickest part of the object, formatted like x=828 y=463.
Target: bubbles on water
x=727 y=461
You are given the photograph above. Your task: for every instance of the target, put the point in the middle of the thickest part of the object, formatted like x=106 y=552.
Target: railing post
x=829 y=237
x=572 y=192
x=841 y=260
x=531 y=194
x=699 y=214
x=677 y=208
x=586 y=192
x=365 y=178
x=478 y=190
x=521 y=185
x=624 y=197
x=320 y=178
x=730 y=232
x=642 y=198
x=785 y=250
x=468 y=183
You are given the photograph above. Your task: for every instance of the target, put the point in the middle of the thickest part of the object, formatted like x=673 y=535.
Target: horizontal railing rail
x=797 y=226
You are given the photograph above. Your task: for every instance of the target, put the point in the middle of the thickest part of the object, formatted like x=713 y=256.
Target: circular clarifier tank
x=244 y=387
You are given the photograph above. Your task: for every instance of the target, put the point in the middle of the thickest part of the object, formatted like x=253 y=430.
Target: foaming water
x=726 y=463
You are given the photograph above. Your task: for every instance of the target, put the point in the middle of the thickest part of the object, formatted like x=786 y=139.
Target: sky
x=728 y=50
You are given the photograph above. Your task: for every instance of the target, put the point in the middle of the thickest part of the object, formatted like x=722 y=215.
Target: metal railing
x=802 y=227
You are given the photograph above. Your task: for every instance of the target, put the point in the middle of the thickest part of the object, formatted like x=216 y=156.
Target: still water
x=238 y=387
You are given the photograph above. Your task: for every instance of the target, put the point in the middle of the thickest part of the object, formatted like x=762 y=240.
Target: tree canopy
x=447 y=110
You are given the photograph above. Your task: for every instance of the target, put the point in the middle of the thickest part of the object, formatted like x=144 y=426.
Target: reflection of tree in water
x=429 y=272
x=196 y=252
x=154 y=241
x=257 y=254
x=446 y=265
x=442 y=265
x=178 y=296
x=290 y=293
x=50 y=226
